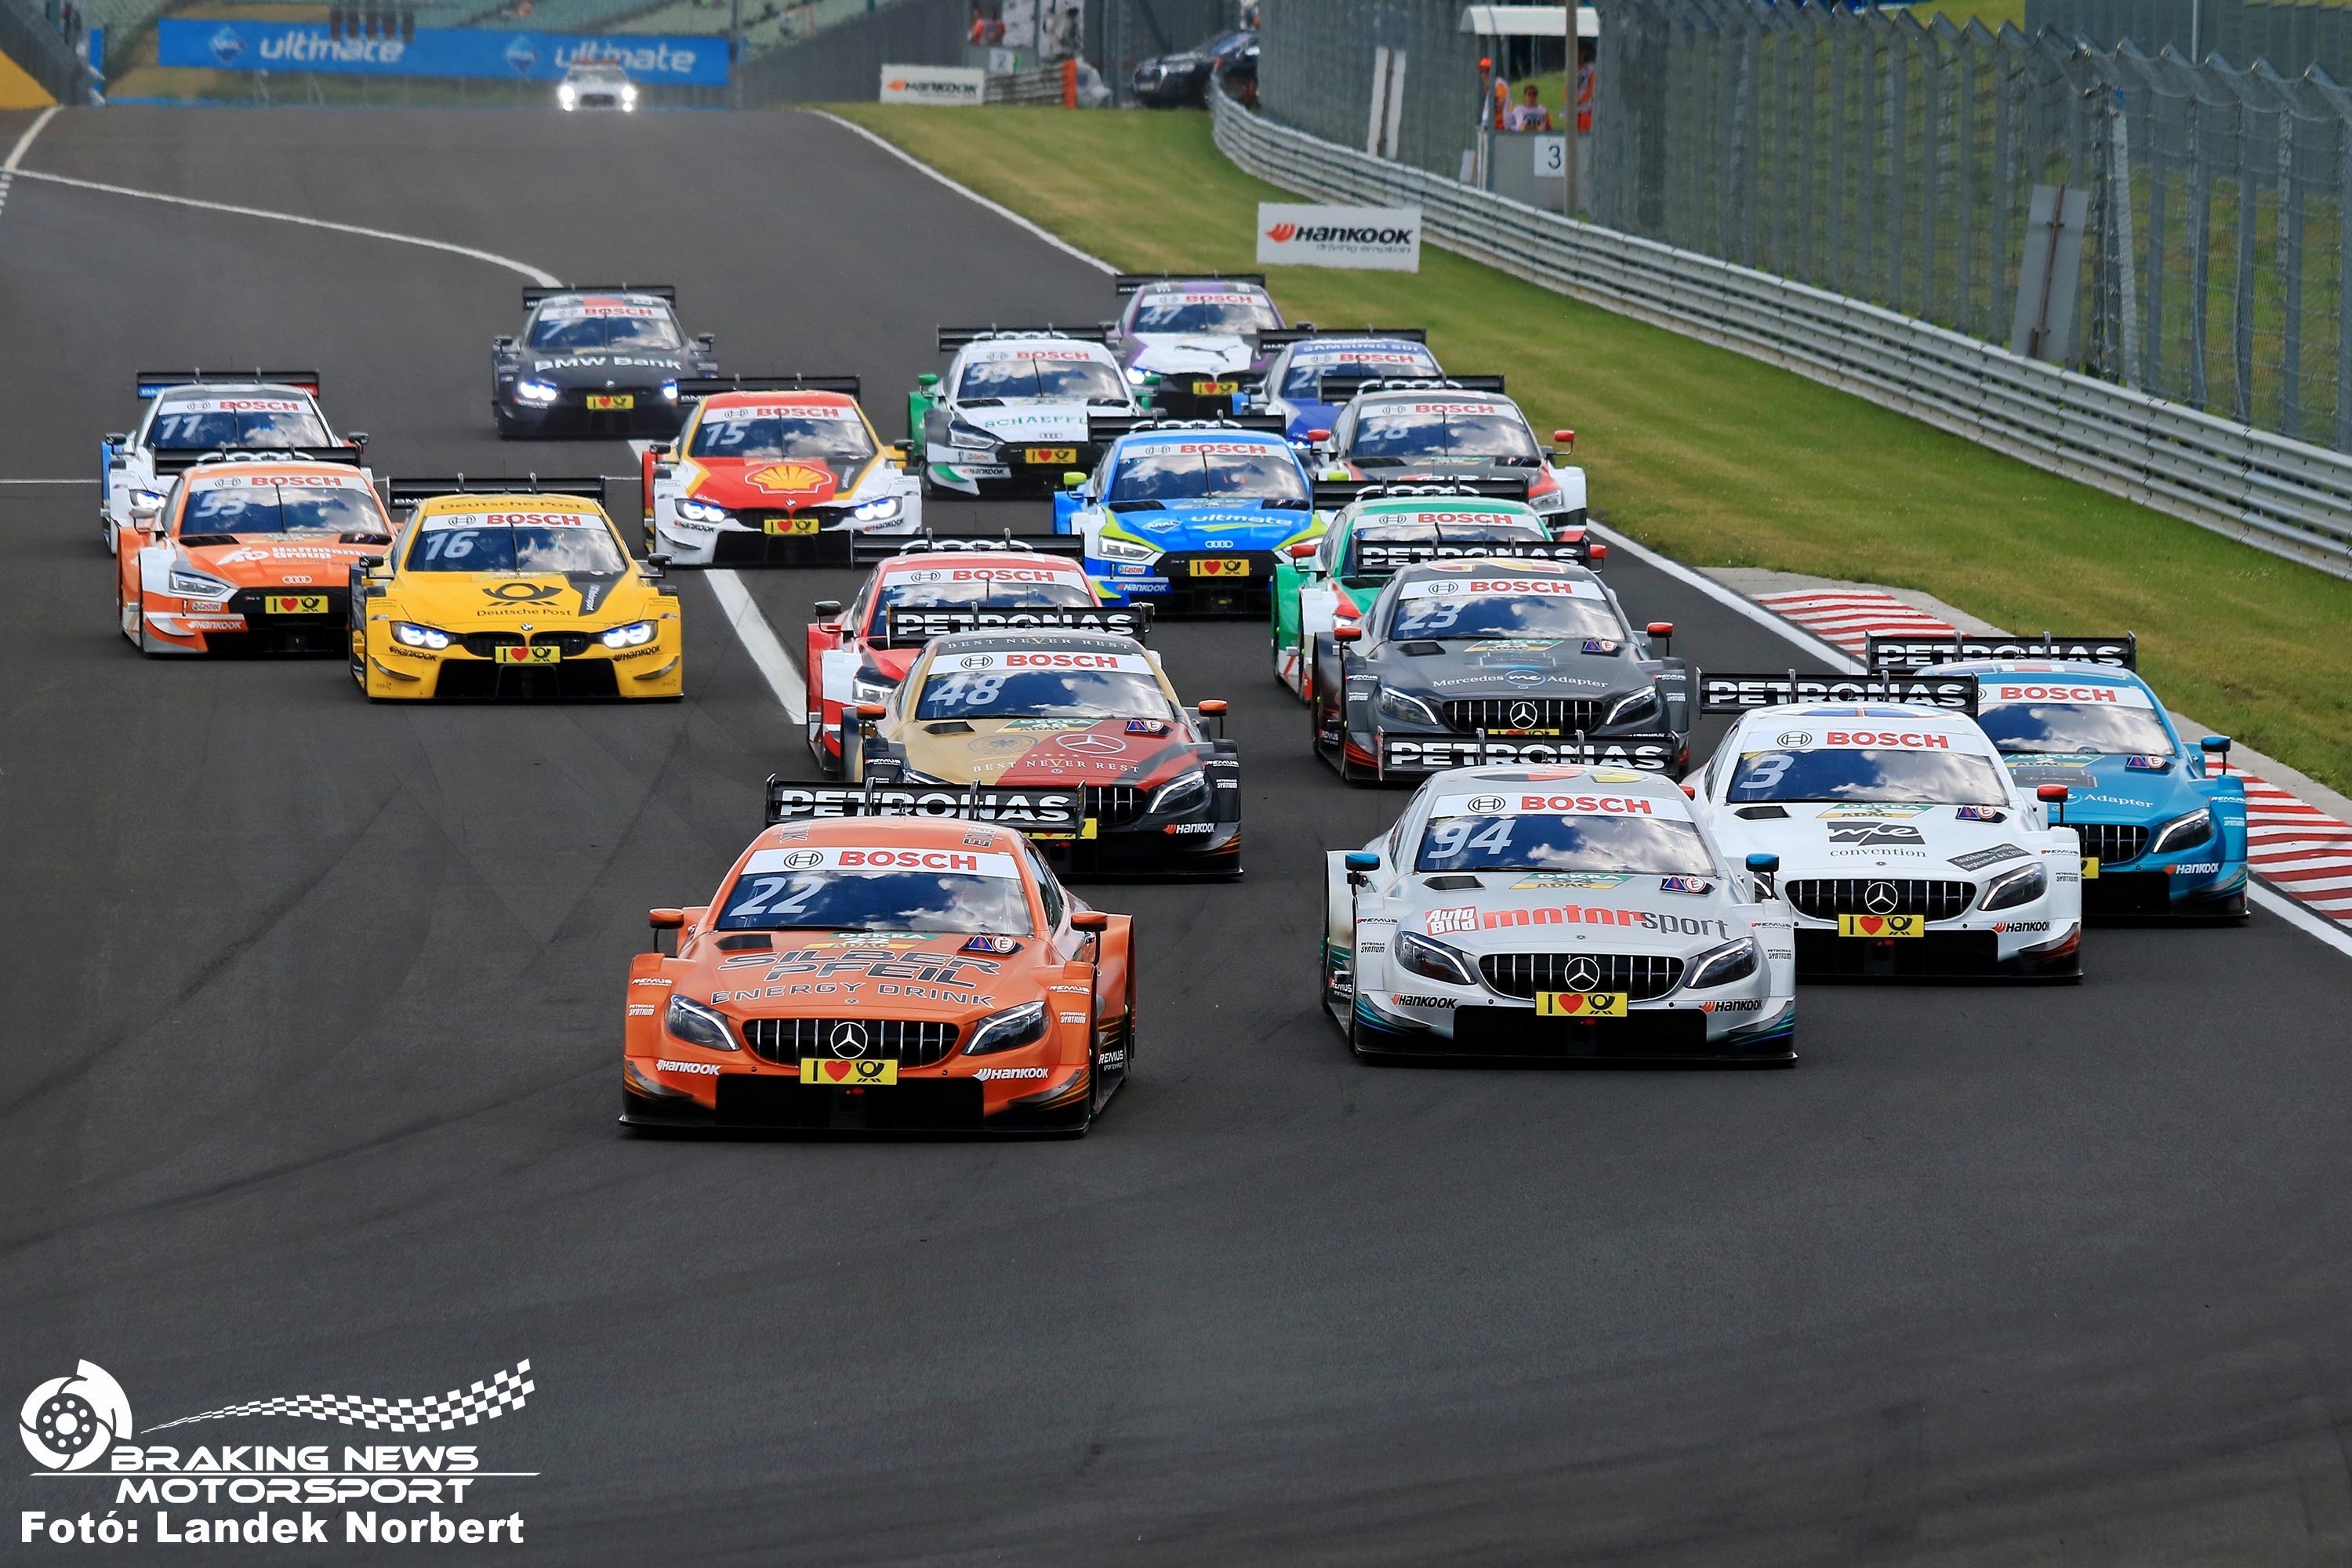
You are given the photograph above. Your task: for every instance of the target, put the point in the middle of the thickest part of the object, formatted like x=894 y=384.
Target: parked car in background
x=1182 y=80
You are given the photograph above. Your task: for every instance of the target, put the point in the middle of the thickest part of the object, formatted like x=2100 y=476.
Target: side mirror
x=2217 y=751
x=1662 y=637
x=827 y=606
x=1360 y=864
x=1089 y=921
x=1347 y=634
x=926 y=381
x=1764 y=868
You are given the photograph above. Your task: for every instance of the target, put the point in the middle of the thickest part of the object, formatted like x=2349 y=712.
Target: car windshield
x=1441 y=429
x=1866 y=774
x=267 y=424
x=1376 y=549
x=1208 y=471
x=1474 y=606
x=1220 y=315
x=1014 y=587
x=1123 y=688
x=772 y=896
x=828 y=432
x=282 y=508
x=514 y=541
x=581 y=326
x=1576 y=843
x=2028 y=727
x=1063 y=379
x=1299 y=382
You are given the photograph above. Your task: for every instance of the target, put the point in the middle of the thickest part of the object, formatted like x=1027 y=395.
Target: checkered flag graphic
x=486 y=1401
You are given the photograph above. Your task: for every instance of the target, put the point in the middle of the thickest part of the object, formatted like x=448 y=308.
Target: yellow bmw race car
x=492 y=591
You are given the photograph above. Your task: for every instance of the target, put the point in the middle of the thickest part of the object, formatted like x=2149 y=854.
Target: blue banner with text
x=436 y=51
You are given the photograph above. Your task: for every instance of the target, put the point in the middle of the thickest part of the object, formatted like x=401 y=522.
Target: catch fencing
x=2292 y=498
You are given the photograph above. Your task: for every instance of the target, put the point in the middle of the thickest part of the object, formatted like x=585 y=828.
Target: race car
x=2163 y=827
x=886 y=967
x=1556 y=912
x=1303 y=356
x=248 y=555
x=1019 y=406
x=1496 y=659
x=1336 y=574
x=1194 y=340
x=1076 y=738
x=1459 y=427
x=932 y=587
x=191 y=415
x=779 y=470
x=493 y=591
x=595 y=360
x=1905 y=850
x=1190 y=515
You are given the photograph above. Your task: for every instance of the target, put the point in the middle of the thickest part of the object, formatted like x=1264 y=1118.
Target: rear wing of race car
x=1128 y=282
x=954 y=338
x=170 y=462
x=1722 y=692
x=1059 y=810
x=871 y=549
x=401 y=492
x=693 y=389
x=1307 y=331
x=151 y=381
x=663 y=291
x=1344 y=388
x=1111 y=426
x=906 y=625
x=1901 y=652
x=1332 y=494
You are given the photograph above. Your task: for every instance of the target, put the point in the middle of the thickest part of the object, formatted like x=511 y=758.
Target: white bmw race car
x=191 y=415
x=1906 y=848
x=1556 y=912
x=1020 y=408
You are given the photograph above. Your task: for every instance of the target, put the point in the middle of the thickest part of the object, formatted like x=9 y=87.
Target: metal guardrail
x=2286 y=497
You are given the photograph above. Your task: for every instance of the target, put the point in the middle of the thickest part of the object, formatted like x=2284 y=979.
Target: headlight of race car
x=1006 y=1031
x=970 y=437
x=536 y=392
x=1406 y=709
x=1432 y=960
x=2021 y=886
x=879 y=510
x=1190 y=793
x=1733 y=960
x=2183 y=832
x=699 y=1026
x=689 y=509
x=635 y=634
x=1639 y=706
x=196 y=585
x=1109 y=547
x=418 y=636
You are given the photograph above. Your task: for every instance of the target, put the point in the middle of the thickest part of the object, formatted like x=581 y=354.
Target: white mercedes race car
x=1556 y=912
x=191 y=415
x=1905 y=850
x=1021 y=406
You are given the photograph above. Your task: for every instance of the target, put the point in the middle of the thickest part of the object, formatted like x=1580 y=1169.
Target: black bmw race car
x=595 y=360
x=1465 y=663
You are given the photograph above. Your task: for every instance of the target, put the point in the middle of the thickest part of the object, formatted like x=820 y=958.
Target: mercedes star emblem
x=848 y=1038
x=1881 y=898
x=1583 y=973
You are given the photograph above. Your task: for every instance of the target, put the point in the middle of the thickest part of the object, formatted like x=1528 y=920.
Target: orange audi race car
x=248 y=555
x=932 y=587
x=883 y=972
x=496 y=591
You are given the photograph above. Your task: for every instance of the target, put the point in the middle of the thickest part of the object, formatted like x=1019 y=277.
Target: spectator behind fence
x=1530 y=114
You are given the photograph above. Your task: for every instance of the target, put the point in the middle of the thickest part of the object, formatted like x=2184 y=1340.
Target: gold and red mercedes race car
x=901 y=971
x=248 y=556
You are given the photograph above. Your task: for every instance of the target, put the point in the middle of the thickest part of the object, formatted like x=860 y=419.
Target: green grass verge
x=1716 y=459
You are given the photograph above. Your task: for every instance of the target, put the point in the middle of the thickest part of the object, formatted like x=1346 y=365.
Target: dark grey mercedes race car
x=595 y=360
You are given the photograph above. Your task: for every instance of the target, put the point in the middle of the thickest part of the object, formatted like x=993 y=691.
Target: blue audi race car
x=1188 y=515
x=2163 y=823
x=1303 y=357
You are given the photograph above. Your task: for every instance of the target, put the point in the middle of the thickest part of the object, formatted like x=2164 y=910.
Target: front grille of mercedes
x=1566 y=714
x=1826 y=897
x=1641 y=976
x=2111 y=843
x=910 y=1045
x=1114 y=805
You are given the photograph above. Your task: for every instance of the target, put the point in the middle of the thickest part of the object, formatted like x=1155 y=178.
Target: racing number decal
x=865 y=1074
x=1580 y=1004
x=1877 y=926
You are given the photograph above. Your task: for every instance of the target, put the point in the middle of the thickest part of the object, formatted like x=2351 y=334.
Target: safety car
x=1556 y=912
x=882 y=967
x=495 y=591
x=191 y=415
x=1460 y=426
x=1076 y=738
x=1336 y=575
x=1496 y=659
x=1019 y=407
x=1305 y=356
x=595 y=360
x=775 y=471
x=932 y=586
x=1190 y=515
x=1192 y=341
x=1906 y=850
x=248 y=555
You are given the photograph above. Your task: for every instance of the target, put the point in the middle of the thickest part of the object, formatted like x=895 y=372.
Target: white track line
x=24 y=143
x=751 y=628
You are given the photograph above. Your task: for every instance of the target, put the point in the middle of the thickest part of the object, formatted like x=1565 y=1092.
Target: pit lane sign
x=1385 y=240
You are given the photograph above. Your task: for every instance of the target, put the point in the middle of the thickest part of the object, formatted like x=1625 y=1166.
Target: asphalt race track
x=313 y=1035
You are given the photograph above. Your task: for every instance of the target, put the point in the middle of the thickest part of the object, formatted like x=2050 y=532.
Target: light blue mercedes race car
x=1189 y=514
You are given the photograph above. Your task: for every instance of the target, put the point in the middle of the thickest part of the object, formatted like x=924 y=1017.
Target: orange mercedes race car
x=891 y=971
x=248 y=555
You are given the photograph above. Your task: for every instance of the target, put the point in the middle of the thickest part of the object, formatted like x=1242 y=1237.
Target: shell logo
x=796 y=481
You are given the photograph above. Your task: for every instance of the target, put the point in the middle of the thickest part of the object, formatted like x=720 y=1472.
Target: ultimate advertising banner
x=436 y=51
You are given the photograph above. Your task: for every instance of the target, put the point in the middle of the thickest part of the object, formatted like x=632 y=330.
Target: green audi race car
x=1377 y=528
